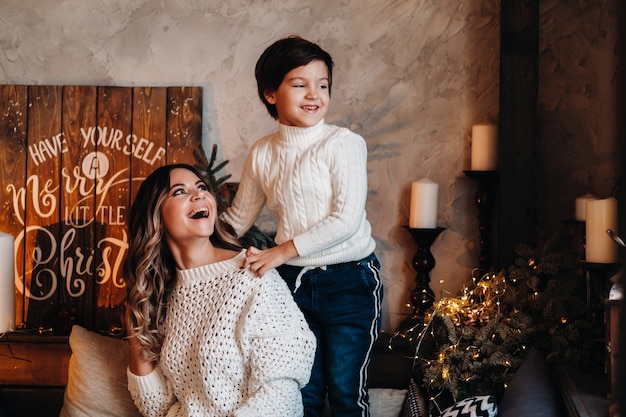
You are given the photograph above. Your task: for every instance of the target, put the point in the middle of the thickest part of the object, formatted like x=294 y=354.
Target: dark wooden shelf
x=30 y=359
x=584 y=395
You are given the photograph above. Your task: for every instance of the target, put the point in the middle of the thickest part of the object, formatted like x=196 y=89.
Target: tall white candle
x=424 y=203
x=7 y=283
x=600 y=215
x=484 y=147
x=581 y=204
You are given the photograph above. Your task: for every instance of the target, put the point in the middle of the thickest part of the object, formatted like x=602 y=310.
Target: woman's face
x=189 y=211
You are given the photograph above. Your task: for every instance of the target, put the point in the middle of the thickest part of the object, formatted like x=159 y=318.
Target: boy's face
x=303 y=97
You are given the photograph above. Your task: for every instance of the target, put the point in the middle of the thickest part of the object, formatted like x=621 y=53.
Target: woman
x=206 y=337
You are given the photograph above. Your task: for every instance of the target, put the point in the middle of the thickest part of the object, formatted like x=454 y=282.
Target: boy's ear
x=270 y=97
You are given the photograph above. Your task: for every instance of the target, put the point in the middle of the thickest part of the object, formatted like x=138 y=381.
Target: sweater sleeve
x=249 y=199
x=151 y=393
x=349 y=181
x=281 y=349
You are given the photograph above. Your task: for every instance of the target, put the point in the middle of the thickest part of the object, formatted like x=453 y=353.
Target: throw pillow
x=415 y=404
x=97 y=384
x=386 y=402
x=532 y=388
x=476 y=406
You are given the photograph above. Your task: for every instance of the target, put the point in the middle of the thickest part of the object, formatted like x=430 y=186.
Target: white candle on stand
x=600 y=215
x=581 y=204
x=424 y=203
x=7 y=283
x=484 y=147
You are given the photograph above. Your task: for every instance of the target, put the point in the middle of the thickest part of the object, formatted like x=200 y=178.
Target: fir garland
x=473 y=344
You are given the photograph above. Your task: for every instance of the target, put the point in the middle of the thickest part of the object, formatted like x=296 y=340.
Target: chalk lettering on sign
x=51 y=260
x=140 y=148
x=47 y=148
x=75 y=267
x=111 y=264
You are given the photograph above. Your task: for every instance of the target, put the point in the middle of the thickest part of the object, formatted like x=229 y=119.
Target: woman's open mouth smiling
x=199 y=213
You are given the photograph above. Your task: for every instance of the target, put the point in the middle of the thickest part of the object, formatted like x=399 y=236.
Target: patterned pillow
x=477 y=406
x=414 y=405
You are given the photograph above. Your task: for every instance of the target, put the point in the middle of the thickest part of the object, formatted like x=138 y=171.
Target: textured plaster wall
x=411 y=77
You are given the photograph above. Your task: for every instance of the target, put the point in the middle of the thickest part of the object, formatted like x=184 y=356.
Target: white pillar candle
x=600 y=215
x=484 y=147
x=7 y=283
x=424 y=203
x=581 y=203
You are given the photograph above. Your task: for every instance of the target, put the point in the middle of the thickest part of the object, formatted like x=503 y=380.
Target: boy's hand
x=261 y=261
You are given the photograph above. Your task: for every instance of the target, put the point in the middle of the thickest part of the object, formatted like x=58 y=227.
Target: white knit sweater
x=236 y=345
x=314 y=181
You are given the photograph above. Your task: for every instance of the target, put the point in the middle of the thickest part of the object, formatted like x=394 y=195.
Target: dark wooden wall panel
x=115 y=112
x=519 y=45
x=184 y=116
x=43 y=194
x=13 y=124
x=149 y=104
x=78 y=201
x=73 y=158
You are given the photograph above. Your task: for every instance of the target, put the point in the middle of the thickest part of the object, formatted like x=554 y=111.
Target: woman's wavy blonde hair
x=149 y=268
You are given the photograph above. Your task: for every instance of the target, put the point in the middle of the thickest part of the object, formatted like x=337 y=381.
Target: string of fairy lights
x=471 y=324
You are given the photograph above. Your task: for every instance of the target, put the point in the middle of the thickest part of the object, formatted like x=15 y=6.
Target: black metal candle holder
x=485 y=197
x=422 y=296
x=598 y=282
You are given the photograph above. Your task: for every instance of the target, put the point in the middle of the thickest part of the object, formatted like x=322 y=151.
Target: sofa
x=97 y=385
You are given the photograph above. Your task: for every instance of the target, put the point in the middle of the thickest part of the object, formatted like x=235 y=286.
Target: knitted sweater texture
x=236 y=345
x=314 y=181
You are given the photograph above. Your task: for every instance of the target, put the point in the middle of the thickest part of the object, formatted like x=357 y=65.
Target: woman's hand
x=261 y=261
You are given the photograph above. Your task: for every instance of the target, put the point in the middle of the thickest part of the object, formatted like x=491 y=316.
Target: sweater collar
x=295 y=135
x=215 y=269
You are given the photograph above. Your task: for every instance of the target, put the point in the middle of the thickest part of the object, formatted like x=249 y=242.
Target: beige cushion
x=386 y=402
x=97 y=384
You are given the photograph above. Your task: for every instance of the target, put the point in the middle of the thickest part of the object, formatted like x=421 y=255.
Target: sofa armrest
x=532 y=391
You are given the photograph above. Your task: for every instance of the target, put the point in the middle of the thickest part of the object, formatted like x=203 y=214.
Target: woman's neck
x=196 y=253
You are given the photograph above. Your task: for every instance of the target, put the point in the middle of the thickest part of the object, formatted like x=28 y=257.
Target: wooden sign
x=73 y=158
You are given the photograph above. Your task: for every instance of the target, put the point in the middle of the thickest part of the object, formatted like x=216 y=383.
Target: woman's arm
x=136 y=363
x=148 y=388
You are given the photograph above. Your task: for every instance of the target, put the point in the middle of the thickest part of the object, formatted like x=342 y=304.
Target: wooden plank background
x=72 y=160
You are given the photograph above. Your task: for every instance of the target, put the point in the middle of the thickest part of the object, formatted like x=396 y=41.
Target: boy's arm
x=248 y=202
x=261 y=261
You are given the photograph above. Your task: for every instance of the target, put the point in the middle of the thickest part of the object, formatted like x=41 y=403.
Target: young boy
x=313 y=178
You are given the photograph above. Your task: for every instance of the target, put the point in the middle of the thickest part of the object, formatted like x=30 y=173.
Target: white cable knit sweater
x=314 y=180
x=236 y=345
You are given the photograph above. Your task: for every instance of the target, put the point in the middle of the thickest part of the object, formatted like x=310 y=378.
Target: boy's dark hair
x=283 y=56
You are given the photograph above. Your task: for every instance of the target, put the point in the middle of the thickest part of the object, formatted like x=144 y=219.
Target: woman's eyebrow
x=180 y=184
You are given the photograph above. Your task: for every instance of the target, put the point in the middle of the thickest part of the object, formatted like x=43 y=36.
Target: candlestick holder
x=598 y=284
x=422 y=296
x=485 y=203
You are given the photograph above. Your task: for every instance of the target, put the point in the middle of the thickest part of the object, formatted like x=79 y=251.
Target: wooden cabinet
x=33 y=374
x=36 y=360
x=612 y=314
